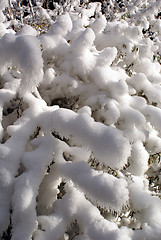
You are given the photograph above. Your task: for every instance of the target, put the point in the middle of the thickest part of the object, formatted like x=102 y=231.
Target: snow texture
x=80 y=123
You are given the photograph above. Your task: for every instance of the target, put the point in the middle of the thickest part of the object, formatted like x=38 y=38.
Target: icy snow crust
x=114 y=123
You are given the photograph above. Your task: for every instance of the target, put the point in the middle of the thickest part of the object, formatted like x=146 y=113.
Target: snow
x=3 y=4
x=62 y=25
x=27 y=30
x=139 y=159
x=142 y=200
x=109 y=191
x=13 y=49
x=102 y=140
x=80 y=114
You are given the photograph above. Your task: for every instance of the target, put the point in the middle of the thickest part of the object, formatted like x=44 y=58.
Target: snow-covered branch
x=80 y=113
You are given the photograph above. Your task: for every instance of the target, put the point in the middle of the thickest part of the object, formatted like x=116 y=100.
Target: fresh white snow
x=80 y=105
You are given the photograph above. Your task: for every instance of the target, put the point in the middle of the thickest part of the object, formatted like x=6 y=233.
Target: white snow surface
x=80 y=115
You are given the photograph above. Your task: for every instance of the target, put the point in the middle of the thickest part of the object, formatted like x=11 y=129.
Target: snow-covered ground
x=80 y=121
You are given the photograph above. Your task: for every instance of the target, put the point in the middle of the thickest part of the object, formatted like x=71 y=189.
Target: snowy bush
x=81 y=122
